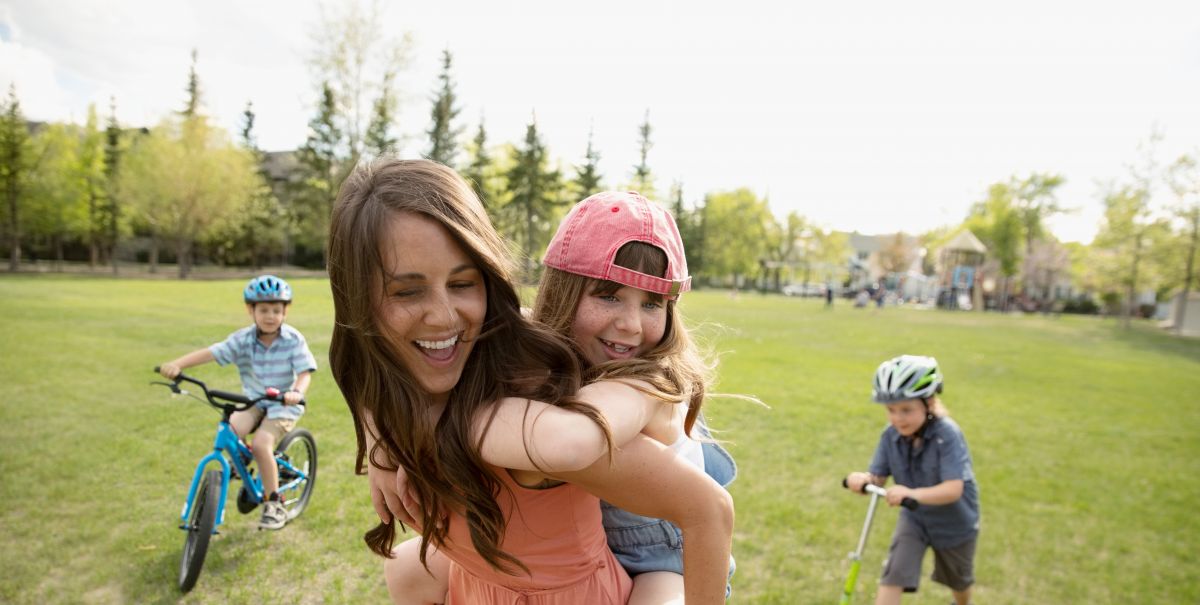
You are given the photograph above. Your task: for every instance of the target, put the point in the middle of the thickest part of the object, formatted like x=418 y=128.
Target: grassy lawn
x=1085 y=440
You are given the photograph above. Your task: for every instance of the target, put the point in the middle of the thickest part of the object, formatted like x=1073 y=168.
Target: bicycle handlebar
x=871 y=488
x=239 y=402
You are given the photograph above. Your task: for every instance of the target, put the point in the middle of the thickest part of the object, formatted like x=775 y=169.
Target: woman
x=447 y=381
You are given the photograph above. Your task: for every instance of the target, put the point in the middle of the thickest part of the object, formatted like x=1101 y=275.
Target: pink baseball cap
x=588 y=239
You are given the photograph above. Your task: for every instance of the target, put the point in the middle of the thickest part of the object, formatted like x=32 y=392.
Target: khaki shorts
x=953 y=567
x=254 y=419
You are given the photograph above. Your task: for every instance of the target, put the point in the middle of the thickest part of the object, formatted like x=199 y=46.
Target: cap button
x=616 y=209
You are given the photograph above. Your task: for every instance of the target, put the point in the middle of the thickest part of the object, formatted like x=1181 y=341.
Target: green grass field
x=1085 y=440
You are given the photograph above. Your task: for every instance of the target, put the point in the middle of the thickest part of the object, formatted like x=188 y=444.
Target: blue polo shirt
x=261 y=366
x=942 y=456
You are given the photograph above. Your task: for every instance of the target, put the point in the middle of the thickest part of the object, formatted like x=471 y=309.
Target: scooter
x=876 y=492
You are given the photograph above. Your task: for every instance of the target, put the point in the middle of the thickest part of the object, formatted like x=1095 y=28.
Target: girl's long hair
x=511 y=356
x=674 y=369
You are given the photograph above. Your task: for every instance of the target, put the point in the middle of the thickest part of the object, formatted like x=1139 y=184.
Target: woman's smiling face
x=432 y=300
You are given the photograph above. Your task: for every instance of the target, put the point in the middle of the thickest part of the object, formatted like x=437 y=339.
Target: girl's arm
x=649 y=479
x=172 y=368
x=536 y=436
x=946 y=492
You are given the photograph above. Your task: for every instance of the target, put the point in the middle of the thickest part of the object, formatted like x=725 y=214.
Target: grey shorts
x=954 y=567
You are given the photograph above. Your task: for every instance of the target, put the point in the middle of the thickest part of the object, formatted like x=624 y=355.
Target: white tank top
x=690 y=450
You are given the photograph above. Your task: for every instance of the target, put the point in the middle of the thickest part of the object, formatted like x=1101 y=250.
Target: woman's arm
x=649 y=479
x=536 y=436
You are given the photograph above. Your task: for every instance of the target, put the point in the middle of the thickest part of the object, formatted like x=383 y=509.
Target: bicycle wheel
x=298 y=450
x=199 y=528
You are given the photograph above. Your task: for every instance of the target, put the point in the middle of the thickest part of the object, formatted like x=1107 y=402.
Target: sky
x=873 y=116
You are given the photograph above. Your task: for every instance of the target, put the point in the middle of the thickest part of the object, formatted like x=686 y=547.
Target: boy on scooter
x=926 y=453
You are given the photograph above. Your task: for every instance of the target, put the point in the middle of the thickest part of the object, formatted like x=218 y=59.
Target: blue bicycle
x=204 y=510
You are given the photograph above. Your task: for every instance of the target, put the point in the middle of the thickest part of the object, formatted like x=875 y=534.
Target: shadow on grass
x=161 y=583
x=1147 y=337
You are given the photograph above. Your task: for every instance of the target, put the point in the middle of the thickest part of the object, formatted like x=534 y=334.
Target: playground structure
x=958 y=264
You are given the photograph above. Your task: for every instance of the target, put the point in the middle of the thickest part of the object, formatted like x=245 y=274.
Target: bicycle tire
x=199 y=529
x=299 y=448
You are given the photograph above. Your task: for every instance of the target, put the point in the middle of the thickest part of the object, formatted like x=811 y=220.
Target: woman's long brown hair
x=674 y=369
x=511 y=357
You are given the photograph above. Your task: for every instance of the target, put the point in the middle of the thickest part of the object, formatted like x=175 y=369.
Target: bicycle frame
x=228 y=447
x=226 y=443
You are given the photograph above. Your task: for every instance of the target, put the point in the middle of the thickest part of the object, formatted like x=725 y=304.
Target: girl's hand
x=391 y=497
x=897 y=493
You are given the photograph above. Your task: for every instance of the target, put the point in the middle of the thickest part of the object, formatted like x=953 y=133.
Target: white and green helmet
x=907 y=377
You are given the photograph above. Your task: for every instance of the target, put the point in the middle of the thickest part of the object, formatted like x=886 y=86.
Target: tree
x=260 y=224
x=379 y=133
x=14 y=164
x=898 y=255
x=319 y=165
x=91 y=165
x=998 y=225
x=1184 y=179
x=587 y=176
x=192 y=106
x=55 y=204
x=112 y=166
x=185 y=178
x=443 y=135
x=786 y=245
x=483 y=173
x=643 y=180
x=354 y=60
x=1045 y=262
x=735 y=224
x=691 y=231
x=535 y=192
x=830 y=251
x=1124 y=232
x=1034 y=201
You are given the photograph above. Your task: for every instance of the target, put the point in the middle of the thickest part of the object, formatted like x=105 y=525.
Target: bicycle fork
x=856 y=556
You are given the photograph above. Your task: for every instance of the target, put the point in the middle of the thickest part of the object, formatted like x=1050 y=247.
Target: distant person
x=924 y=450
x=268 y=353
x=828 y=295
x=860 y=299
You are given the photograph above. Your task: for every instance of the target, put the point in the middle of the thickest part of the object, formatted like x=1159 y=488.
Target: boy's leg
x=408 y=581
x=955 y=567
x=888 y=595
x=661 y=587
x=902 y=568
x=268 y=435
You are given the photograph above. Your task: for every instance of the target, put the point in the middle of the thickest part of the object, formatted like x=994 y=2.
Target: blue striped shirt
x=261 y=366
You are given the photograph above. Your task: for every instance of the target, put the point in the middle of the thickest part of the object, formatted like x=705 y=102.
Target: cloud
x=31 y=72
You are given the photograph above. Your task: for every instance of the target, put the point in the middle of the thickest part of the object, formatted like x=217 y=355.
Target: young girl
x=614 y=272
x=926 y=453
x=446 y=380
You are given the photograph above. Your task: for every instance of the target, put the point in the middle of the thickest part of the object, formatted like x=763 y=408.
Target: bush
x=1082 y=306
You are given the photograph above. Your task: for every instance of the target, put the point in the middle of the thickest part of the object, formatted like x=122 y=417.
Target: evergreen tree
x=193 y=91
x=91 y=162
x=248 y=128
x=643 y=180
x=14 y=162
x=442 y=133
x=587 y=177
x=477 y=169
x=112 y=166
x=379 y=139
x=534 y=188
x=318 y=159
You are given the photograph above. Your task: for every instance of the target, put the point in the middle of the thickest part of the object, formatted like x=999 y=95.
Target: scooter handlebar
x=871 y=488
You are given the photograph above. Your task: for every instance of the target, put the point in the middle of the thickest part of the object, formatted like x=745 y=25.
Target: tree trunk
x=154 y=253
x=1181 y=308
x=58 y=252
x=14 y=254
x=183 y=254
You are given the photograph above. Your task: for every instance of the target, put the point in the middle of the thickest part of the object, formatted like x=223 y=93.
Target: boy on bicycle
x=268 y=353
x=924 y=450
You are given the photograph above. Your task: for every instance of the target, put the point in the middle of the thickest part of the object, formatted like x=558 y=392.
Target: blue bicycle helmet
x=907 y=377
x=267 y=288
